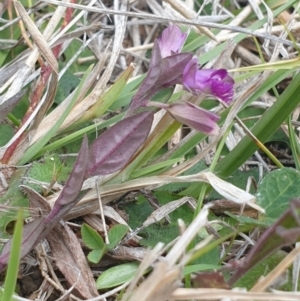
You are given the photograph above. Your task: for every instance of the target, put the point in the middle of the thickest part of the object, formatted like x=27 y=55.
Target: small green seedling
x=95 y=242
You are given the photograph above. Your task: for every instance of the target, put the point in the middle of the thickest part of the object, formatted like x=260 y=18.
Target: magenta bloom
x=214 y=82
x=193 y=116
x=171 y=41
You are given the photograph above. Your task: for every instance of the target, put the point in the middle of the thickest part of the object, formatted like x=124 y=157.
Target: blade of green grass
x=294 y=143
x=14 y=259
x=263 y=129
x=153 y=168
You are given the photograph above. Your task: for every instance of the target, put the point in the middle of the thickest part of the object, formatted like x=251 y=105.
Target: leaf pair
x=95 y=242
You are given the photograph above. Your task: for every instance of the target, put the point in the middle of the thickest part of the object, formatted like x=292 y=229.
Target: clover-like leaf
x=115 y=234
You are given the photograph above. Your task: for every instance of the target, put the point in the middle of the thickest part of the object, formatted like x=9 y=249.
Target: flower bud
x=194 y=116
x=171 y=41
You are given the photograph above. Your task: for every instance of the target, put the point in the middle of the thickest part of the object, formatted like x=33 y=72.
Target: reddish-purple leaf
x=67 y=197
x=285 y=231
x=172 y=69
x=114 y=148
x=39 y=228
x=148 y=84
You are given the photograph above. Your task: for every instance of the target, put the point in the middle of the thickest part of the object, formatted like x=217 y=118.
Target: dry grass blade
x=218 y=294
x=159 y=285
x=166 y=275
x=185 y=239
x=71 y=261
x=246 y=31
x=52 y=118
x=163 y=211
x=184 y=11
x=39 y=39
x=231 y=192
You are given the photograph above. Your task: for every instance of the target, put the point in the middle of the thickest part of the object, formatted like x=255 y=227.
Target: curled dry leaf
x=232 y=192
x=71 y=260
x=111 y=191
x=38 y=37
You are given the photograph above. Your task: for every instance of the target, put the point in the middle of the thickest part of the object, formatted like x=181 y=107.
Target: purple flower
x=191 y=115
x=214 y=82
x=171 y=40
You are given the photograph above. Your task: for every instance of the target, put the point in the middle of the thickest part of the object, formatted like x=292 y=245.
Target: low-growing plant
x=134 y=122
x=95 y=241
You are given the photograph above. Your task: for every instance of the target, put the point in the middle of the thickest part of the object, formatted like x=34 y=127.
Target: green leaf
x=49 y=170
x=199 y=268
x=154 y=168
x=96 y=255
x=115 y=234
x=91 y=238
x=159 y=232
x=14 y=259
x=277 y=189
x=7 y=132
x=117 y=275
x=67 y=83
x=12 y=198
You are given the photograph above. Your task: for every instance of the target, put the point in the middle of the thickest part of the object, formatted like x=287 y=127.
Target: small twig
x=101 y=211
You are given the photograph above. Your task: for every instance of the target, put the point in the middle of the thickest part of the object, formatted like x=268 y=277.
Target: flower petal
x=215 y=82
x=171 y=40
